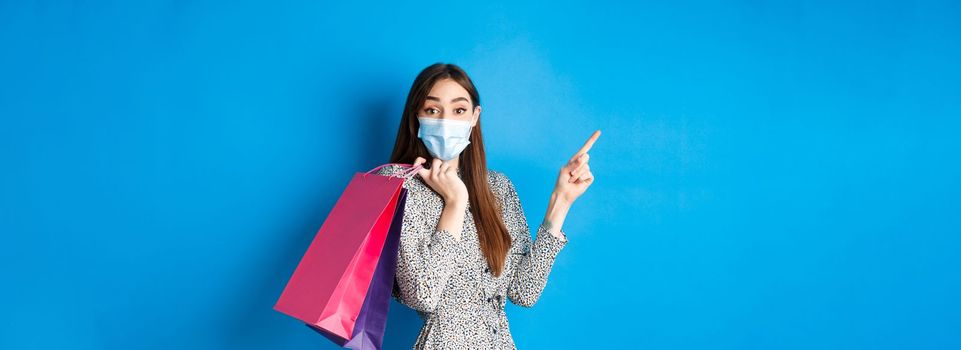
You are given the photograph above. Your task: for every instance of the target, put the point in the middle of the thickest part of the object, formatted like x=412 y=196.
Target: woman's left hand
x=575 y=176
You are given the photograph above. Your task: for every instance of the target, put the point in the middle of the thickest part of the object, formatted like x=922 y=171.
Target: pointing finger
x=587 y=145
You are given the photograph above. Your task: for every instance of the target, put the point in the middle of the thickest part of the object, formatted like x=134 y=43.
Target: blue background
x=770 y=175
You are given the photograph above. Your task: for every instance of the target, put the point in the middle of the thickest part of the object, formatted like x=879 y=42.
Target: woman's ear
x=477 y=111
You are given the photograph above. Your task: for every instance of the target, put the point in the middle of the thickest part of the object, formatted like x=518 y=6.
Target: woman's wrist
x=557 y=209
x=455 y=203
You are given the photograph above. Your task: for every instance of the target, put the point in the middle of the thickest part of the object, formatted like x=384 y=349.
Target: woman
x=465 y=247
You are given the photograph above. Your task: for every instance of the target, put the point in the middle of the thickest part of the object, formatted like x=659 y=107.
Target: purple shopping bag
x=371 y=323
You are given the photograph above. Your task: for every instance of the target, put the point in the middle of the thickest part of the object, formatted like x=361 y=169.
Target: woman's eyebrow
x=451 y=101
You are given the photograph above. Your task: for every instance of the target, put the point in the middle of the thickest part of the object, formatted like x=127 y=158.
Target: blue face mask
x=444 y=138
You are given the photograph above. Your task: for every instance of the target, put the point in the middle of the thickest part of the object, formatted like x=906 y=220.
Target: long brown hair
x=492 y=233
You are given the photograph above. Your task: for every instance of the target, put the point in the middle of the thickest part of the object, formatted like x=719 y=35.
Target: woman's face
x=447 y=99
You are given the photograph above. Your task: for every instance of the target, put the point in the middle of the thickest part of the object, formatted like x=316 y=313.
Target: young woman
x=465 y=247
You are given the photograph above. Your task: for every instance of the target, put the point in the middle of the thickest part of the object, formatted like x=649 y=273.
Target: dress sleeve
x=536 y=259
x=425 y=260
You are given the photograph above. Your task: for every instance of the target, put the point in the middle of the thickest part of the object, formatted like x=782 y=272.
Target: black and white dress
x=448 y=281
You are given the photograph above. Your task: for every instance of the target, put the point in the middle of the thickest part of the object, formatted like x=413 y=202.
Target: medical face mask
x=444 y=138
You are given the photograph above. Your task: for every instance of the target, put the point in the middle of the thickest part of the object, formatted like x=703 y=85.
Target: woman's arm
x=428 y=252
x=537 y=258
x=428 y=257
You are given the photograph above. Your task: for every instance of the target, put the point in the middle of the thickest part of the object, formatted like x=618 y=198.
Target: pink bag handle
x=406 y=174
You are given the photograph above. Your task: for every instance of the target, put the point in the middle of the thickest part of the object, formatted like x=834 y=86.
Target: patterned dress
x=448 y=281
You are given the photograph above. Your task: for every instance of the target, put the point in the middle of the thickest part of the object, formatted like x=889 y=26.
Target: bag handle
x=406 y=174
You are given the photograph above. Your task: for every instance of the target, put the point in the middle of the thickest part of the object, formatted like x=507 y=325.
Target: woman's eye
x=430 y=110
x=461 y=110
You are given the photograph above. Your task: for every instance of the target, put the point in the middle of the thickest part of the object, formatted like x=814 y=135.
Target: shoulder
x=390 y=170
x=499 y=182
x=410 y=183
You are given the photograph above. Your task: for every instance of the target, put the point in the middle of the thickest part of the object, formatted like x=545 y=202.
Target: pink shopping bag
x=328 y=287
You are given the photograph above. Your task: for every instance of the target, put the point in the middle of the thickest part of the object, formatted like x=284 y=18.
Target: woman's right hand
x=442 y=177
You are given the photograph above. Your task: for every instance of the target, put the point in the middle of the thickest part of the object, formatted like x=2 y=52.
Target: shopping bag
x=372 y=321
x=331 y=281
